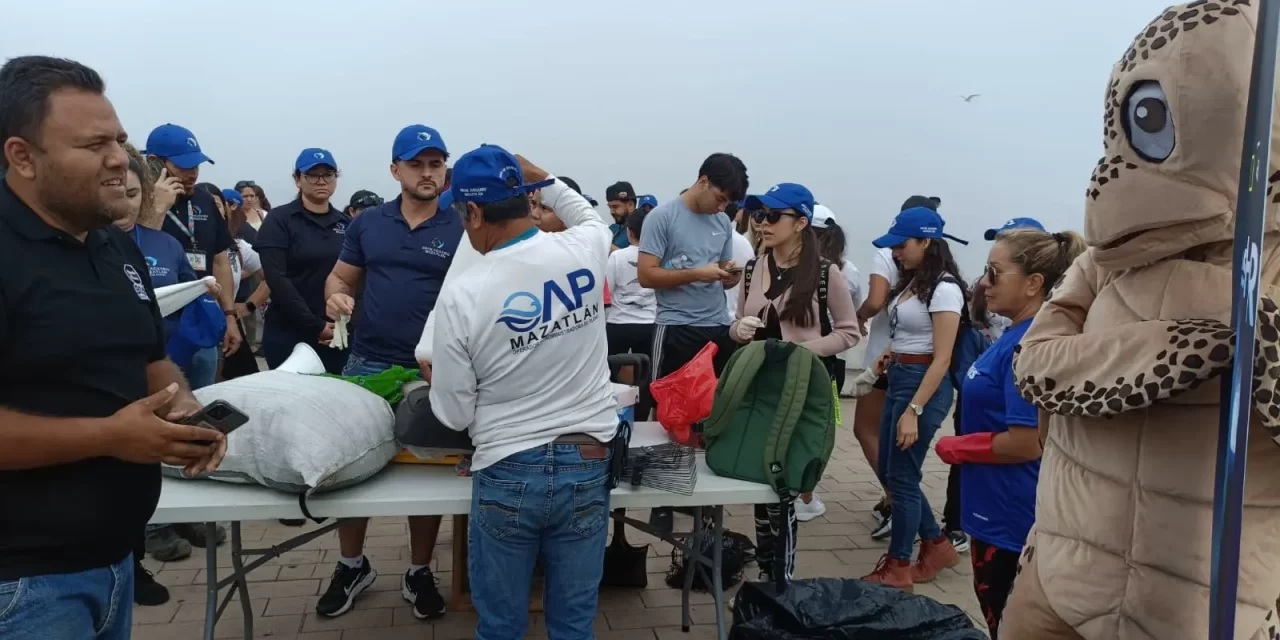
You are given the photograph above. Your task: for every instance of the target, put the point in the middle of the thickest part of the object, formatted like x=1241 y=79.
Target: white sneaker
x=806 y=511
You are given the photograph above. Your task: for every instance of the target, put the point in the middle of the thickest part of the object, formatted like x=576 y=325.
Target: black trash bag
x=736 y=552
x=844 y=609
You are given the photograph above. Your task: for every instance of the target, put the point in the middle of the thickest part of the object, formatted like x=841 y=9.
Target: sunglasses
x=772 y=216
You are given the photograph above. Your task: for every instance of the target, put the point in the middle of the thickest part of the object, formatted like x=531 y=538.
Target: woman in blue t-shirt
x=999 y=447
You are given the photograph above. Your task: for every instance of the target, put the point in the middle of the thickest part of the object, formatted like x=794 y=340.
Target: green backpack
x=773 y=418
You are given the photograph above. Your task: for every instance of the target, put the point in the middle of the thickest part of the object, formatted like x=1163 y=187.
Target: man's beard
x=78 y=205
x=421 y=198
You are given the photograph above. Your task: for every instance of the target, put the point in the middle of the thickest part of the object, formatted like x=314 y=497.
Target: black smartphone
x=220 y=415
x=157 y=167
x=733 y=270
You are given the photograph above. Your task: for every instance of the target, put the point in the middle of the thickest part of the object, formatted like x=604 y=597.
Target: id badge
x=197 y=261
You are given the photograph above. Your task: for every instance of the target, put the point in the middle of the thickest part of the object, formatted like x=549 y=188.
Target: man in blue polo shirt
x=195 y=222
x=394 y=260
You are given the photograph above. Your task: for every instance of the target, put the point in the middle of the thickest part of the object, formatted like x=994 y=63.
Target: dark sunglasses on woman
x=772 y=216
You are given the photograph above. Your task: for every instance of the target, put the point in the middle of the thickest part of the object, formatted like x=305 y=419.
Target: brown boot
x=935 y=555
x=892 y=572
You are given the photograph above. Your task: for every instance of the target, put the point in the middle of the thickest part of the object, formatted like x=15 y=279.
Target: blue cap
x=649 y=200
x=177 y=145
x=231 y=195
x=445 y=201
x=1016 y=223
x=415 y=139
x=784 y=195
x=917 y=222
x=490 y=174
x=312 y=158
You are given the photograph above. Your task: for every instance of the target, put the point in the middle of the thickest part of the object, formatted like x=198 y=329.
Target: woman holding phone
x=780 y=299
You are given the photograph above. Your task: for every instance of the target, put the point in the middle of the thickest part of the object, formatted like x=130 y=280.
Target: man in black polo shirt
x=394 y=258
x=194 y=221
x=83 y=376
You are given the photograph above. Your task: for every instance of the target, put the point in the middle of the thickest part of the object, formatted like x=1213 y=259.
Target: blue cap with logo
x=201 y=326
x=784 y=195
x=1016 y=223
x=314 y=157
x=415 y=139
x=232 y=196
x=445 y=201
x=177 y=145
x=916 y=222
x=490 y=174
x=647 y=200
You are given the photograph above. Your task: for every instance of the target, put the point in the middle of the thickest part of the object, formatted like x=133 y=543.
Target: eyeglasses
x=317 y=178
x=989 y=274
x=772 y=216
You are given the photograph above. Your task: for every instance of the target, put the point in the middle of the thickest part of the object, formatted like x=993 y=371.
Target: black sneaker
x=146 y=591
x=419 y=588
x=165 y=545
x=959 y=540
x=196 y=534
x=885 y=525
x=347 y=583
x=292 y=522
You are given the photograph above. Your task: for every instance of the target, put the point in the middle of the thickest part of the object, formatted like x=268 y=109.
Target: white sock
x=414 y=568
x=354 y=563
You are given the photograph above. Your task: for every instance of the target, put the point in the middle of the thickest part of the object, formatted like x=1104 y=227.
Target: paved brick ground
x=284 y=592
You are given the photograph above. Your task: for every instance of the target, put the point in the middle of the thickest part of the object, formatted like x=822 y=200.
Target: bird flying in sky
x=970 y=97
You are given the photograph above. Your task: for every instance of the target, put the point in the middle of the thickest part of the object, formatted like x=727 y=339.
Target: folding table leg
x=211 y=580
x=717 y=556
x=693 y=558
x=242 y=584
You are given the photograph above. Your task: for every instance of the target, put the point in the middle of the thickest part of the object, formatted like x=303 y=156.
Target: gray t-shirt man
x=682 y=239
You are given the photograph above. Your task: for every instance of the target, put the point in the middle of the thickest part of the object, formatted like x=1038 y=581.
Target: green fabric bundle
x=386 y=385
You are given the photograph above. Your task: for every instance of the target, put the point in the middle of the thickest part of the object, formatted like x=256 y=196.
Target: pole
x=1237 y=398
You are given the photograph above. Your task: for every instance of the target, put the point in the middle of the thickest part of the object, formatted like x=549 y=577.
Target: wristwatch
x=253 y=308
x=916 y=409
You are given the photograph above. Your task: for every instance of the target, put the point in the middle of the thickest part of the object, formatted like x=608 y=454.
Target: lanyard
x=136 y=238
x=189 y=228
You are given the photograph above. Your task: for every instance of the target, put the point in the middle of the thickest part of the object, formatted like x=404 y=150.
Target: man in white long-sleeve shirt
x=519 y=360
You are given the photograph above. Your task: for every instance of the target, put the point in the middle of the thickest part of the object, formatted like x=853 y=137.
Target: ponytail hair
x=1048 y=254
x=804 y=282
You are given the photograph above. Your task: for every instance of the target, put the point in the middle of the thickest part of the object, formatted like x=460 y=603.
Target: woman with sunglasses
x=780 y=299
x=998 y=452
x=299 y=243
x=924 y=319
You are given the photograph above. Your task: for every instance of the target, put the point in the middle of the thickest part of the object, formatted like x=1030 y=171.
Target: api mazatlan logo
x=536 y=318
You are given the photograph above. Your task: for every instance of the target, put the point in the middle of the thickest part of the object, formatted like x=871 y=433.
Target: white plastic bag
x=305 y=433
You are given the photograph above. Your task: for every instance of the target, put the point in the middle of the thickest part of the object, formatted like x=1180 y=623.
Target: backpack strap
x=746 y=276
x=791 y=402
x=824 y=320
x=741 y=371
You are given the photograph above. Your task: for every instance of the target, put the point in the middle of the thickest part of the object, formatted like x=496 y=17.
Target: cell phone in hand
x=220 y=415
x=733 y=270
x=157 y=167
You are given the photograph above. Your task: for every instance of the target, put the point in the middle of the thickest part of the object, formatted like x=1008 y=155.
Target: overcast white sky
x=857 y=100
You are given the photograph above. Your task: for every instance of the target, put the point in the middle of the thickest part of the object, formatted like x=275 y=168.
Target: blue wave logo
x=521 y=312
x=152 y=262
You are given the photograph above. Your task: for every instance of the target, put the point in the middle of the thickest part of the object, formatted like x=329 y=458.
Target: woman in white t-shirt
x=924 y=319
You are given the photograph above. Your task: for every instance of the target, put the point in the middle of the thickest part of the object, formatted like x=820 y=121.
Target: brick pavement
x=283 y=593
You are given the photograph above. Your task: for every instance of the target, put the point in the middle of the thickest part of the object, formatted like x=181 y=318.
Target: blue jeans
x=92 y=605
x=901 y=470
x=358 y=365
x=203 y=368
x=550 y=501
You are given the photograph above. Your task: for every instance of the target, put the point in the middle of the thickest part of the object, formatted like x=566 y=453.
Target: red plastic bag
x=686 y=396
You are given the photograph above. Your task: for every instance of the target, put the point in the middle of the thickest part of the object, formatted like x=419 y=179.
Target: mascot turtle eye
x=1148 y=122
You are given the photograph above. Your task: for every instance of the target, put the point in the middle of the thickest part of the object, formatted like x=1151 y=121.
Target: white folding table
x=426 y=490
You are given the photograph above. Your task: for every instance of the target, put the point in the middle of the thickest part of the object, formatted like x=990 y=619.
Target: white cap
x=822 y=217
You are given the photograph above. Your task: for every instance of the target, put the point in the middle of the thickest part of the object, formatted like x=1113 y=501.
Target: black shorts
x=629 y=338
x=675 y=346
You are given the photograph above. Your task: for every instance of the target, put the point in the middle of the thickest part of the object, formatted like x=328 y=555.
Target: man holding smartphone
x=88 y=401
x=195 y=222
